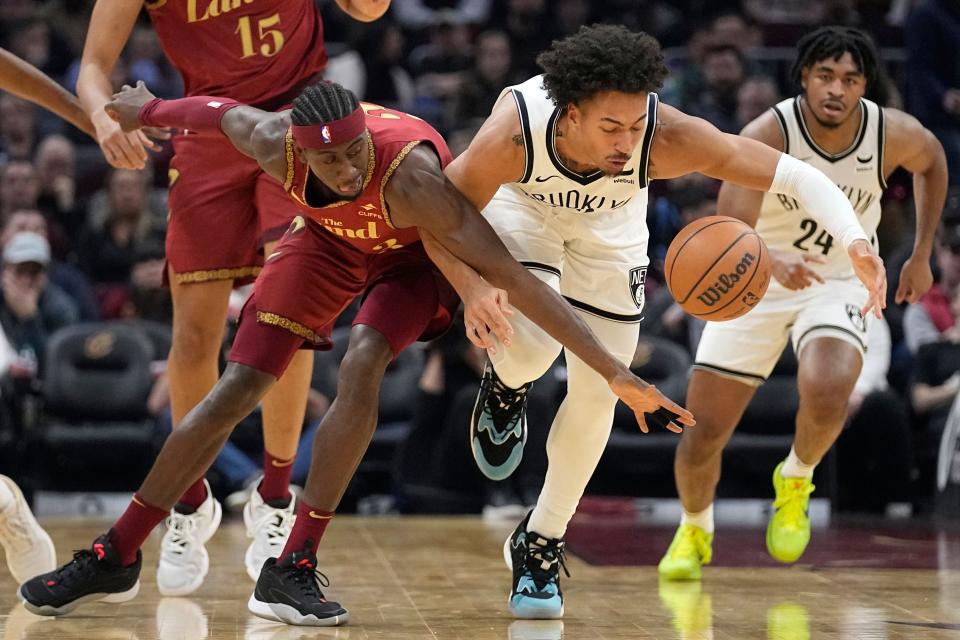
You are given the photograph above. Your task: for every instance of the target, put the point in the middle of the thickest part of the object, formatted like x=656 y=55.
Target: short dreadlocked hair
x=832 y=43
x=322 y=103
x=601 y=58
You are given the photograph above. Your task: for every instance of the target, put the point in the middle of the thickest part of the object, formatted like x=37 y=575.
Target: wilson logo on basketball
x=724 y=283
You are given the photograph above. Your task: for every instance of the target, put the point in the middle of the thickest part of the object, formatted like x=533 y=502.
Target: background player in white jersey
x=815 y=298
x=560 y=169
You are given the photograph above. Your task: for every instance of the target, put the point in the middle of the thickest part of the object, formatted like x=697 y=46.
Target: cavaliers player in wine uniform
x=223 y=211
x=370 y=182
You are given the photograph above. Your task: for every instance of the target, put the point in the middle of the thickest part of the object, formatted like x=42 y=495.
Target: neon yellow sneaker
x=788 y=532
x=691 y=548
x=692 y=609
x=788 y=621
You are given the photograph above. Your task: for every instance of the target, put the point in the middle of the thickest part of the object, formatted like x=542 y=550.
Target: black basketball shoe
x=536 y=562
x=289 y=591
x=94 y=574
x=498 y=426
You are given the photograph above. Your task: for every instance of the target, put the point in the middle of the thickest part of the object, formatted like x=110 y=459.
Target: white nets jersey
x=549 y=183
x=585 y=234
x=858 y=171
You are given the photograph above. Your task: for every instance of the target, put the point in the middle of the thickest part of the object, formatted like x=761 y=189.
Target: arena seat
x=95 y=432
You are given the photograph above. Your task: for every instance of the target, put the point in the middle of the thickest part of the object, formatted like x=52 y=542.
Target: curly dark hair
x=831 y=43
x=598 y=58
x=322 y=103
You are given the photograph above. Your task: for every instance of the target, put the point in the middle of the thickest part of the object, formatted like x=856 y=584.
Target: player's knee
x=240 y=389
x=365 y=361
x=234 y=397
x=824 y=398
x=598 y=398
x=697 y=445
x=530 y=354
x=196 y=341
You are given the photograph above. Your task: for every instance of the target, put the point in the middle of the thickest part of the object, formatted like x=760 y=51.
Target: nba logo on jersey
x=325 y=132
x=638 y=277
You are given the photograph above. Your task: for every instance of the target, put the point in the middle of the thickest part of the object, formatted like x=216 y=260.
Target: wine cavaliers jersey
x=259 y=52
x=365 y=222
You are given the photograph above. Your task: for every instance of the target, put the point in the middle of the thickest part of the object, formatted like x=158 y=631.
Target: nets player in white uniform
x=815 y=297
x=560 y=170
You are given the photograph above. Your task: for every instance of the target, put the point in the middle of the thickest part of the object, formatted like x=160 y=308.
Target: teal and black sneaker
x=536 y=562
x=498 y=426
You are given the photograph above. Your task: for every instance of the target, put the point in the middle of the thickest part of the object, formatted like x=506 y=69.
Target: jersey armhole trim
x=288 y=156
x=652 y=102
x=386 y=178
x=525 y=131
x=783 y=129
x=881 y=143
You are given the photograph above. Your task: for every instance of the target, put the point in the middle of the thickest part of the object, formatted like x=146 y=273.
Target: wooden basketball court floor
x=444 y=578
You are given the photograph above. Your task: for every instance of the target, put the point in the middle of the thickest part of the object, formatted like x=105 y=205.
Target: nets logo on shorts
x=638 y=277
x=856 y=318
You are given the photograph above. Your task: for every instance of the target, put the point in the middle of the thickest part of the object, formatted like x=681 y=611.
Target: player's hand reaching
x=485 y=312
x=126 y=104
x=792 y=270
x=644 y=398
x=869 y=268
x=123 y=144
x=916 y=278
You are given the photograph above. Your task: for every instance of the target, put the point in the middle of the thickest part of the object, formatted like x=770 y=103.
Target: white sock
x=6 y=496
x=794 y=467
x=702 y=519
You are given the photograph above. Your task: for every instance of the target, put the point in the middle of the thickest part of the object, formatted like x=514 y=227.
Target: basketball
x=717 y=268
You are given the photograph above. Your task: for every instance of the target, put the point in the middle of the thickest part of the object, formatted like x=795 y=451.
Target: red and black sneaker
x=289 y=591
x=94 y=575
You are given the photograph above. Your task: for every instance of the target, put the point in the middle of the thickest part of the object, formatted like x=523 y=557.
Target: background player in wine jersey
x=223 y=209
x=370 y=182
x=815 y=298
x=27 y=546
x=560 y=169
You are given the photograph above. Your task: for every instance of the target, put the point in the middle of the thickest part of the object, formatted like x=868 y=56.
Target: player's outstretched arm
x=419 y=194
x=258 y=134
x=23 y=79
x=742 y=202
x=364 y=10
x=909 y=145
x=685 y=144
x=791 y=270
x=110 y=27
x=485 y=308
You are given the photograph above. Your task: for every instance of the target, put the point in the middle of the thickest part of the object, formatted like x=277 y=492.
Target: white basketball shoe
x=183 y=558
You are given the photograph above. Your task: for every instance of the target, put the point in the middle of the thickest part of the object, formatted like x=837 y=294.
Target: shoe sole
x=784 y=560
x=108 y=598
x=287 y=614
x=534 y=614
x=520 y=612
x=198 y=582
x=506 y=469
x=680 y=576
x=41 y=537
